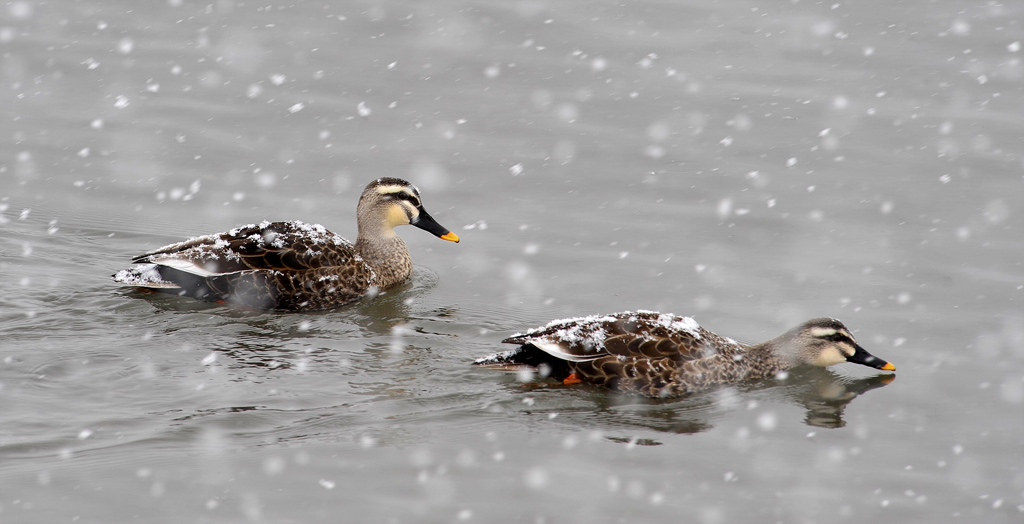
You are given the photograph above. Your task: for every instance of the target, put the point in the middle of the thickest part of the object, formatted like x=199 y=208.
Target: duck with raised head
x=664 y=355
x=293 y=265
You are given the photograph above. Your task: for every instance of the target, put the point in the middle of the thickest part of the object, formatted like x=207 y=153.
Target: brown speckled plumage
x=293 y=265
x=662 y=355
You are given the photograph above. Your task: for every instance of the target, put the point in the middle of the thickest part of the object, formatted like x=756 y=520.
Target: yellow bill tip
x=889 y=367
x=451 y=237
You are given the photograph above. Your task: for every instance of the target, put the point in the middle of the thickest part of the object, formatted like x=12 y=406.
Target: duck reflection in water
x=823 y=393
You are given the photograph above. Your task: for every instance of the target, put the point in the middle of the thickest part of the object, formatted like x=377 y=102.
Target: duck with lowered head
x=663 y=355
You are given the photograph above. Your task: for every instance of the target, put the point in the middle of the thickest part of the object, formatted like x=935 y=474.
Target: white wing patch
x=558 y=351
x=187 y=266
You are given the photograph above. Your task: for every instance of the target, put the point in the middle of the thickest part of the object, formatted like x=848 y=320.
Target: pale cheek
x=397 y=217
x=830 y=357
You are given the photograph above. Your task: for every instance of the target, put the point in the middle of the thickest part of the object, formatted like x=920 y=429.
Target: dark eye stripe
x=402 y=195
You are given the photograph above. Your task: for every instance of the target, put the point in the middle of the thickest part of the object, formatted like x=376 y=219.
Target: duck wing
x=268 y=246
x=280 y=265
x=629 y=335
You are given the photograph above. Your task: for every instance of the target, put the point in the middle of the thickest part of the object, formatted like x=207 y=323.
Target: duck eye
x=839 y=337
x=402 y=195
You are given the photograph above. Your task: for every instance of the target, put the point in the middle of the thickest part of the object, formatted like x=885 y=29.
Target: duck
x=293 y=266
x=663 y=355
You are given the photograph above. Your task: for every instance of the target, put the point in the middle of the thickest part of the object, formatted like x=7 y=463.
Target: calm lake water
x=750 y=164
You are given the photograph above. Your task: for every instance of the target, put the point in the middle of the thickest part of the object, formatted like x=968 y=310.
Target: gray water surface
x=750 y=164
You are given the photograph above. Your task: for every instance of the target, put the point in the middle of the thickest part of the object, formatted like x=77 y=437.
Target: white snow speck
x=278 y=79
x=326 y=484
x=20 y=10
x=724 y=208
x=125 y=46
x=121 y=102
x=84 y=434
x=363 y=109
x=536 y=478
x=1013 y=47
x=516 y=170
x=523 y=375
x=273 y=465
x=209 y=359
x=960 y=28
x=791 y=162
x=654 y=151
x=648 y=61
x=767 y=421
x=296 y=108
x=674 y=323
x=614 y=484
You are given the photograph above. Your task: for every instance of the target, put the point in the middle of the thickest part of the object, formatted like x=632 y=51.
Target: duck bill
x=427 y=223
x=860 y=356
